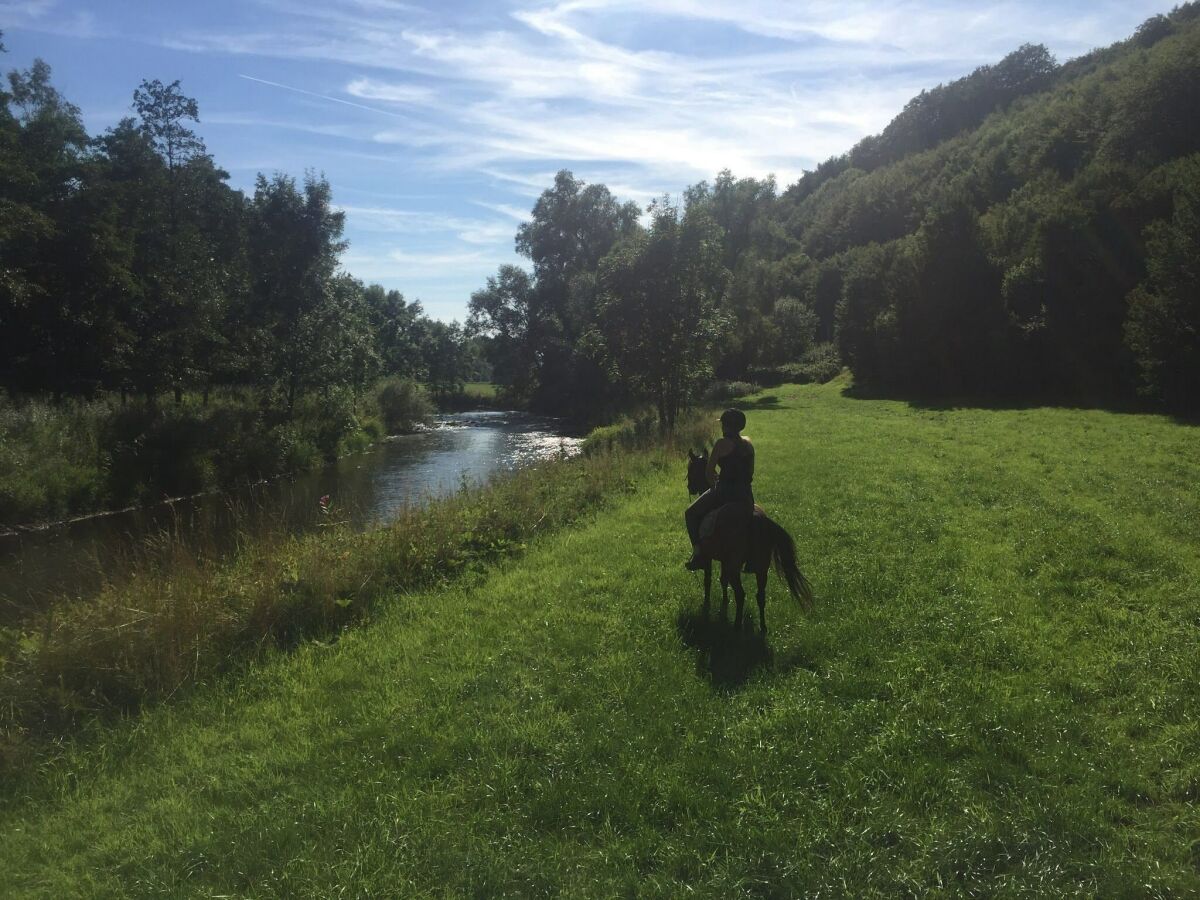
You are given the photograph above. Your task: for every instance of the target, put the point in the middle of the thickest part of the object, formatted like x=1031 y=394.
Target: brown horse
x=744 y=536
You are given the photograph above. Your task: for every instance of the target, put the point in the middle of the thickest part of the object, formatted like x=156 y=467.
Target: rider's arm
x=720 y=449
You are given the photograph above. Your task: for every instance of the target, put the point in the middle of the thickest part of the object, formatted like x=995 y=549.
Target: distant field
x=999 y=693
x=479 y=389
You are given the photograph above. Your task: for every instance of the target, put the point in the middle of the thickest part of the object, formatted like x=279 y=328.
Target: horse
x=742 y=536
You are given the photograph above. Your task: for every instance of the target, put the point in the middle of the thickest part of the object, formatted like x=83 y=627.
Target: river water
x=43 y=567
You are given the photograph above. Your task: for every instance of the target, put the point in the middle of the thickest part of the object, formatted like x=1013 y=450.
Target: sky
x=438 y=124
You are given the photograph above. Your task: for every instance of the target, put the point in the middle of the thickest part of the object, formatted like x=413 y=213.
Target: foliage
x=403 y=404
x=724 y=391
x=78 y=457
x=540 y=328
x=1007 y=234
x=657 y=294
x=1163 y=328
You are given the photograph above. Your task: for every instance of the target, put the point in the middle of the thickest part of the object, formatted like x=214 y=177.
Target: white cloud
x=400 y=221
x=517 y=213
x=369 y=89
x=645 y=96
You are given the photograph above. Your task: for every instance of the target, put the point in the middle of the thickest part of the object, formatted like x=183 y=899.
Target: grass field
x=998 y=694
x=483 y=389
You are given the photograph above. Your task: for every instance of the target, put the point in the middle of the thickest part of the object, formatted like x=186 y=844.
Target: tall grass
x=51 y=459
x=83 y=456
x=186 y=619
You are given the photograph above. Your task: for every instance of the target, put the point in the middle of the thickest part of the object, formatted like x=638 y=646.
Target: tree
x=43 y=335
x=448 y=358
x=401 y=332
x=164 y=109
x=657 y=294
x=572 y=226
x=500 y=312
x=294 y=239
x=796 y=325
x=1163 y=328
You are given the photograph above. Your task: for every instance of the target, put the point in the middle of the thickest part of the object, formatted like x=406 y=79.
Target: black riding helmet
x=733 y=421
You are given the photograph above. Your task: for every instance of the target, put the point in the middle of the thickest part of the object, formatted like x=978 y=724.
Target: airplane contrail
x=288 y=87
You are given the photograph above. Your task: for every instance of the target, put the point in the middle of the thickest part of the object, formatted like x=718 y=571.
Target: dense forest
x=127 y=263
x=1029 y=232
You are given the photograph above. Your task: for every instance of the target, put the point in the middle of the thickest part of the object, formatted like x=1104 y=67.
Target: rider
x=734 y=455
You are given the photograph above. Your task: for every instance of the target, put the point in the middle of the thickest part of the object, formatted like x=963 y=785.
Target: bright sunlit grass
x=997 y=694
x=480 y=389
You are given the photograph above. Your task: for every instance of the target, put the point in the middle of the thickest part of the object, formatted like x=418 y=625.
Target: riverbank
x=79 y=458
x=996 y=695
x=40 y=568
x=181 y=618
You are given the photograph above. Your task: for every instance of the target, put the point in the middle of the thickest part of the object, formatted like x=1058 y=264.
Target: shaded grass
x=997 y=695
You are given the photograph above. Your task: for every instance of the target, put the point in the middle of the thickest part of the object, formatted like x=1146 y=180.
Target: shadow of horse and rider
x=741 y=538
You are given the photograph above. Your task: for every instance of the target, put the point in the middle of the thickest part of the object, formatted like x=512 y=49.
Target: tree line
x=128 y=264
x=1030 y=231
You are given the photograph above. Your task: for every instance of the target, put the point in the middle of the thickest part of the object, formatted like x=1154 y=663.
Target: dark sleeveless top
x=736 y=474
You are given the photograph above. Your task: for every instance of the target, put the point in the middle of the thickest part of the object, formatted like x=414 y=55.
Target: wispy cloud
x=326 y=97
x=369 y=89
x=647 y=96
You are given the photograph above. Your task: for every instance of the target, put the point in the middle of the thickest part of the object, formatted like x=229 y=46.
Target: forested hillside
x=1029 y=231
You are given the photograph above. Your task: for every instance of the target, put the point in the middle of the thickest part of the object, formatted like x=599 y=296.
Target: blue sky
x=438 y=124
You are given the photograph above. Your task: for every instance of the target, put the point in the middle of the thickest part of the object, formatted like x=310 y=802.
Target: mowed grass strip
x=997 y=694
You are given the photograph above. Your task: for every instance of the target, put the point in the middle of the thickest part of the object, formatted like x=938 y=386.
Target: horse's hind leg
x=739 y=594
x=724 y=590
x=762 y=600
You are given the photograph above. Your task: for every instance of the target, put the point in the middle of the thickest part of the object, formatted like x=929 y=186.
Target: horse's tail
x=783 y=551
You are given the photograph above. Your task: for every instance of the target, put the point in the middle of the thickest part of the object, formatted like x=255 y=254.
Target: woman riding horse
x=733 y=454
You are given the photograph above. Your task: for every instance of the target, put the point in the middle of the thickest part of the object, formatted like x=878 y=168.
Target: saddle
x=725 y=532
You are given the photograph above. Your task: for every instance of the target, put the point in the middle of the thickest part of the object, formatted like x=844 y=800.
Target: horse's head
x=697 y=480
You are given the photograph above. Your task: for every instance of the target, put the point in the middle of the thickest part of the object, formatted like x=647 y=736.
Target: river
x=73 y=560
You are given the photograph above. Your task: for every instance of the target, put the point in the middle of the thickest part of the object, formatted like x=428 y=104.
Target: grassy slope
x=999 y=691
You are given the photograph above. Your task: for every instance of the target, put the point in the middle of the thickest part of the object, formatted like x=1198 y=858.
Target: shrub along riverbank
x=146 y=638
x=79 y=457
x=997 y=695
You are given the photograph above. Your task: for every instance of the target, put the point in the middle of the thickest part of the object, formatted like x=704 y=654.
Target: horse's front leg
x=724 y=590
x=762 y=599
x=739 y=594
x=707 y=586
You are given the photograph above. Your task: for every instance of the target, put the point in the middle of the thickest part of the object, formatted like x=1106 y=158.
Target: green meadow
x=997 y=694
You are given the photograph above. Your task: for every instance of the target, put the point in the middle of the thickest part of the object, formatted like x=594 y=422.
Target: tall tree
x=295 y=237
x=657 y=291
x=43 y=333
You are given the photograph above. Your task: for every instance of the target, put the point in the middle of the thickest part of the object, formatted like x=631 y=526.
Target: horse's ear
x=692 y=455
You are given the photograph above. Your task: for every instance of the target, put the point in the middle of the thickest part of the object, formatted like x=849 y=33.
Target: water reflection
x=364 y=490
